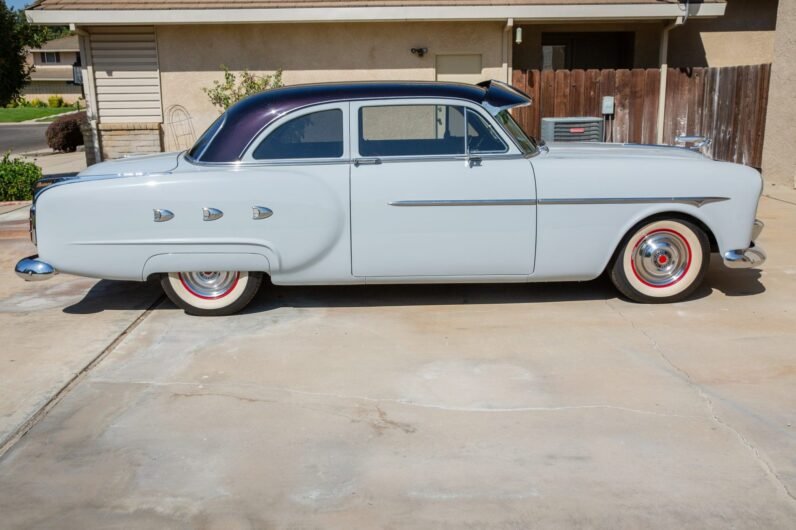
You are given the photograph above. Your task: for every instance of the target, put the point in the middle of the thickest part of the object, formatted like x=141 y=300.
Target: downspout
x=508 y=48
x=90 y=88
x=664 y=62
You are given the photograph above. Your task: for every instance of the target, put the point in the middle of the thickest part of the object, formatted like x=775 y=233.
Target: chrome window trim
x=468 y=104
x=249 y=158
x=481 y=154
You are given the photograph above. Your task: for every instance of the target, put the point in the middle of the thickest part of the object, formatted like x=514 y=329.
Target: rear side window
x=315 y=135
x=411 y=130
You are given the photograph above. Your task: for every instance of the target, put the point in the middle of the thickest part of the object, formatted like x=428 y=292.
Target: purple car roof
x=227 y=139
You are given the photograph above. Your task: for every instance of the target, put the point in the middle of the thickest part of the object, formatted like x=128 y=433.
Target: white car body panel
x=564 y=212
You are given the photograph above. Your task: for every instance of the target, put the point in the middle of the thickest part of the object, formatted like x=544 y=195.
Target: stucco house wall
x=190 y=57
x=779 y=155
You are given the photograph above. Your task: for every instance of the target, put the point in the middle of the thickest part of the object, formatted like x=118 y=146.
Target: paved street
x=478 y=406
x=23 y=138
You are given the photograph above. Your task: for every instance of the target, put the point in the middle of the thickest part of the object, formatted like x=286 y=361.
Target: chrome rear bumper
x=32 y=269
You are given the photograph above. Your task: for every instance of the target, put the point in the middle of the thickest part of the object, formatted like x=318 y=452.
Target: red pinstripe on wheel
x=687 y=265
x=217 y=297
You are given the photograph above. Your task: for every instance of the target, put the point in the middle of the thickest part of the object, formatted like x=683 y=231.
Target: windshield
x=201 y=144
x=526 y=144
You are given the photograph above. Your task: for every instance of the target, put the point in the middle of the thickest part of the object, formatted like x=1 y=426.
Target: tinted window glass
x=316 y=135
x=524 y=142
x=411 y=130
x=481 y=137
x=203 y=141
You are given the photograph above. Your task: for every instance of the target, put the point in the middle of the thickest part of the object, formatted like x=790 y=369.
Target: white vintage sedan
x=394 y=183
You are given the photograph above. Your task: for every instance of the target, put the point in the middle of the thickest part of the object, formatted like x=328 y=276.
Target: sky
x=18 y=4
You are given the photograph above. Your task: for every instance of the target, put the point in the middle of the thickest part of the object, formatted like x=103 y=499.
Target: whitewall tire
x=212 y=293
x=661 y=261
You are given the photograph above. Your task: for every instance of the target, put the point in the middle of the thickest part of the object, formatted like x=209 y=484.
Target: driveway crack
x=768 y=469
x=12 y=439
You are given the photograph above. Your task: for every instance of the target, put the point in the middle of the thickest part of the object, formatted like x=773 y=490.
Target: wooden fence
x=727 y=105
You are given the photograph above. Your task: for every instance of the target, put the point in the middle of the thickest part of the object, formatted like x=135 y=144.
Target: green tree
x=16 y=34
x=232 y=90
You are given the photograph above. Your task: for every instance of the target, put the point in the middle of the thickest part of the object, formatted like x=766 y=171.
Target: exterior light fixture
x=518 y=35
x=420 y=52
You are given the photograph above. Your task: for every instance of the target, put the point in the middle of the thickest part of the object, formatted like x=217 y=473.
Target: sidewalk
x=58 y=163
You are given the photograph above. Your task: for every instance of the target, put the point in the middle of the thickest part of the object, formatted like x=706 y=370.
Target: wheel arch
x=668 y=214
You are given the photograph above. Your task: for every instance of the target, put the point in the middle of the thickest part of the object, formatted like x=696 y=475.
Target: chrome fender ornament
x=261 y=212
x=161 y=216
x=211 y=214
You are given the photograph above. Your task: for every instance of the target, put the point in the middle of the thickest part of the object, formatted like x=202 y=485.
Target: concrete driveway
x=503 y=406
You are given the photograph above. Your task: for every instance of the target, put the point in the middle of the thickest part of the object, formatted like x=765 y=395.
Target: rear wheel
x=661 y=261
x=214 y=293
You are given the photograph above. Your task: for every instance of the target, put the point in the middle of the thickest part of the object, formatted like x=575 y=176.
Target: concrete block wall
x=121 y=139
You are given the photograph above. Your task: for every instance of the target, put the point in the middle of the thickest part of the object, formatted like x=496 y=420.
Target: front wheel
x=661 y=261
x=215 y=293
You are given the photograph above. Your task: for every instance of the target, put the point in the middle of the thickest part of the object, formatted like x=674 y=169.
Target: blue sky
x=18 y=4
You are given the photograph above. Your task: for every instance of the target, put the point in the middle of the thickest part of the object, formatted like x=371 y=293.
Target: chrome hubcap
x=209 y=284
x=661 y=259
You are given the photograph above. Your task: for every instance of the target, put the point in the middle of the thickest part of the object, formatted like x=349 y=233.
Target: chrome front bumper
x=32 y=269
x=748 y=258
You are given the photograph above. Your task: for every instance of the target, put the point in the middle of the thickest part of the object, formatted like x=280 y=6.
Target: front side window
x=411 y=130
x=315 y=135
x=482 y=137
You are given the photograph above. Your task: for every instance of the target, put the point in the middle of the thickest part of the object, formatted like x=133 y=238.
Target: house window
x=50 y=57
x=602 y=50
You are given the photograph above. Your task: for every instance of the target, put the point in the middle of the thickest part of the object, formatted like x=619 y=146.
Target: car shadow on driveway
x=108 y=295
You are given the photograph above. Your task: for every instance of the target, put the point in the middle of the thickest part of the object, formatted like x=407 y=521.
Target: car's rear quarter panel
x=105 y=228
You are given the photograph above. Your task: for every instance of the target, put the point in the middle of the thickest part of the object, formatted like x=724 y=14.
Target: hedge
x=17 y=178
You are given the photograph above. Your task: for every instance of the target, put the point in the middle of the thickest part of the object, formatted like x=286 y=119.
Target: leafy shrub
x=55 y=101
x=232 y=90
x=64 y=133
x=36 y=102
x=17 y=178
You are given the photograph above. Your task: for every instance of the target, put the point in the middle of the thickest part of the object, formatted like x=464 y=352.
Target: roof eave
x=538 y=13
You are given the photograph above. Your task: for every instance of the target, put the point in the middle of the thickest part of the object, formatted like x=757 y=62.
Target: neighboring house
x=144 y=59
x=52 y=74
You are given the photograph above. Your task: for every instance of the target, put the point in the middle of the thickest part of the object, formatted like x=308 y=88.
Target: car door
x=437 y=190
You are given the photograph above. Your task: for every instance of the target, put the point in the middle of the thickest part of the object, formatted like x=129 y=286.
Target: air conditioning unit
x=572 y=130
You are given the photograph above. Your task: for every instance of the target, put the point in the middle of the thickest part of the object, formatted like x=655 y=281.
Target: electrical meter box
x=608 y=105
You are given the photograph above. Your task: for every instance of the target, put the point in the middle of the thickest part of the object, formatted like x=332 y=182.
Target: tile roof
x=64 y=44
x=264 y=4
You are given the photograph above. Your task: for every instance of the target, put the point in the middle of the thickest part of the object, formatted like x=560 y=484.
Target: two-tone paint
x=554 y=214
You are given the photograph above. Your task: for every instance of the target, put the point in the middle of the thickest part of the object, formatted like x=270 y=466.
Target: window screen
x=315 y=135
x=411 y=130
x=481 y=137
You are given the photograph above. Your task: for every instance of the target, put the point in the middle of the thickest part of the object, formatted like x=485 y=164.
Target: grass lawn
x=29 y=113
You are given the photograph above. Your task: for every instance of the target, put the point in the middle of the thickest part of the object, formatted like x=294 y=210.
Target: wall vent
x=572 y=130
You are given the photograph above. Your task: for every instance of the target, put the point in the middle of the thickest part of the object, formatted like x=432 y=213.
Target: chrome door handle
x=261 y=212
x=367 y=162
x=475 y=161
x=161 y=216
x=211 y=214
